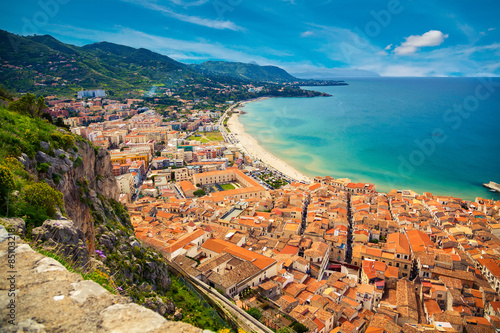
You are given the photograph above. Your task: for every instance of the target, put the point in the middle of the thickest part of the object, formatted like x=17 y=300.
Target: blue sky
x=391 y=38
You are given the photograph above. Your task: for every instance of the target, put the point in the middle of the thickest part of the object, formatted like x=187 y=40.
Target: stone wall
x=37 y=294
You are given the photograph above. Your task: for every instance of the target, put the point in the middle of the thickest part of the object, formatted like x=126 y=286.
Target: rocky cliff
x=94 y=231
x=44 y=168
x=77 y=173
x=38 y=294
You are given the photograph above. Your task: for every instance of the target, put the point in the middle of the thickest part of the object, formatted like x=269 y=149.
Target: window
x=406 y=266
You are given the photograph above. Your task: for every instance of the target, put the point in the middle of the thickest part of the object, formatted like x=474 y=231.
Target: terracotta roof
x=186 y=185
x=220 y=246
x=184 y=240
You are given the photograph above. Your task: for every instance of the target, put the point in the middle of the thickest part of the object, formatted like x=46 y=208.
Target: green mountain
x=46 y=65
x=110 y=52
x=251 y=72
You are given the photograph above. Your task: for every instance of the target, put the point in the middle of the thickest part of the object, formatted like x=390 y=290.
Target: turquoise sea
x=439 y=135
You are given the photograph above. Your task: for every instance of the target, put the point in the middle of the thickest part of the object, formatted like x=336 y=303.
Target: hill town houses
x=337 y=260
x=334 y=255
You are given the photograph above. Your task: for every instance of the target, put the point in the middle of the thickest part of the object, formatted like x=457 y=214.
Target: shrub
x=38 y=201
x=6 y=181
x=199 y=193
x=254 y=312
x=67 y=140
x=29 y=105
x=299 y=327
x=77 y=162
x=31 y=137
x=56 y=178
x=43 y=167
x=62 y=156
x=283 y=330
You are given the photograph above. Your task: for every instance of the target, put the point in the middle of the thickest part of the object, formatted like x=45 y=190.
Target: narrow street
x=348 y=255
x=304 y=216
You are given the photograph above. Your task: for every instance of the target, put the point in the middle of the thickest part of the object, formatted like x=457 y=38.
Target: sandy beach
x=252 y=147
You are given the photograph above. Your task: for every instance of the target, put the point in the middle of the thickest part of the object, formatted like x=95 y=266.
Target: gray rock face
x=157 y=305
x=45 y=145
x=59 y=152
x=170 y=307
x=133 y=242
x=4 y=234
x=26 y=161
x=63 y=235
x=41 y=157
x=96 y=171
x=108 y=240
x=17 y=224
x=178 y=314
x=152 y=272
x=51 y=299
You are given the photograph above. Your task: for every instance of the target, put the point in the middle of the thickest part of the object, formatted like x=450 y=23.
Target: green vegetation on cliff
x=22 y=194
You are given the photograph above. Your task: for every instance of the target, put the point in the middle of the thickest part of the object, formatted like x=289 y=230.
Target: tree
x=4 y=94
x=39 y=201
x=6 y=180
x=199 y=193
x=29 y=105
x=299 y=327
x=7 y=184
x=60 y=123
x=47 y=116
x=254 y=312
x=283 y=330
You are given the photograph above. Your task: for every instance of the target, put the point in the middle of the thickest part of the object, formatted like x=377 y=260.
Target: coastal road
x=228 y=137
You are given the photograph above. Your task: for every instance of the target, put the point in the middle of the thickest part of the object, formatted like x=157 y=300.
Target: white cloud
x=307 y=33
x=388 y=47
x=491 y=29
x=180 y=50
x=189 y=3
x=415 y=42
x=215 y=24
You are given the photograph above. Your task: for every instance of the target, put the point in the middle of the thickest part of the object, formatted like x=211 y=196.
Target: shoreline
x=251 y=146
